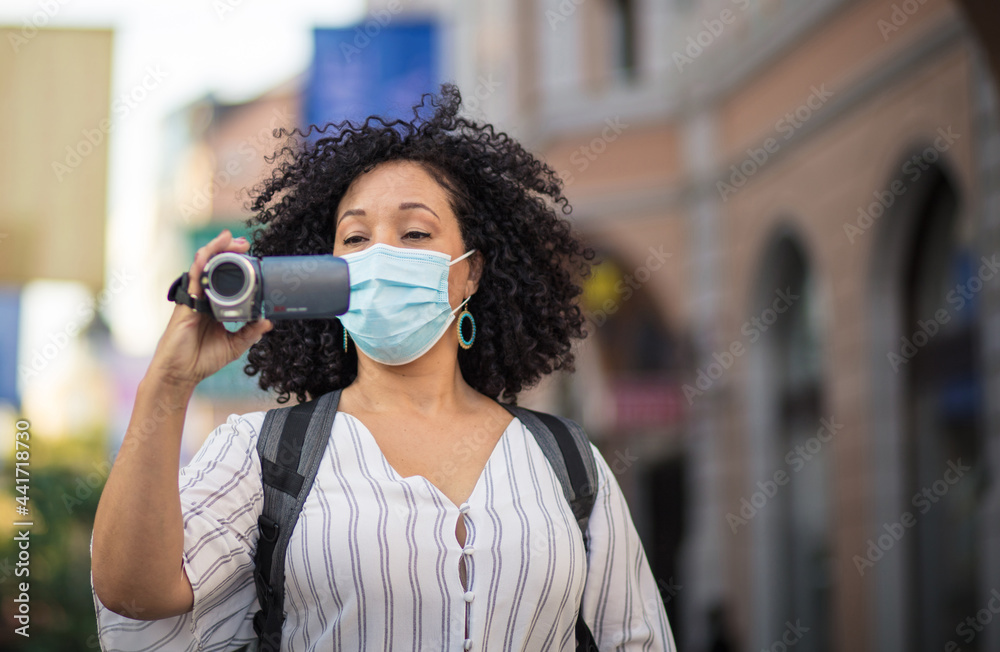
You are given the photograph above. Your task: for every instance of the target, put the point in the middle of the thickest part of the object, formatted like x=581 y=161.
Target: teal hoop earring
x=345 y=339
x=465 y=344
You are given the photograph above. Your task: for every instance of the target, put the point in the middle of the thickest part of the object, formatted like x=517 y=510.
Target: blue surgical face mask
x=399 y=304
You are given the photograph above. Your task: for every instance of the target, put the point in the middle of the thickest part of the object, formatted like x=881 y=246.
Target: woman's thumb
x=251 y=333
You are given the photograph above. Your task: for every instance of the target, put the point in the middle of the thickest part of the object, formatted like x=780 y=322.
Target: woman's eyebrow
x=350 y=211
x=412 y=204
x=404 y=206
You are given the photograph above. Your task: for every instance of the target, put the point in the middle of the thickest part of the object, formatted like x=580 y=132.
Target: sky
x=235 y=49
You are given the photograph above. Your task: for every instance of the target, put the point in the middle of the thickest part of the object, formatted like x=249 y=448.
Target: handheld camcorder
x=238 y=287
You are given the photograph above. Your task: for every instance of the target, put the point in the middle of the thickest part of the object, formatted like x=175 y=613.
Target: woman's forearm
x=138 y=530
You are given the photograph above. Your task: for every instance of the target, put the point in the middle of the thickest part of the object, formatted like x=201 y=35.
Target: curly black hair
x=505 y=200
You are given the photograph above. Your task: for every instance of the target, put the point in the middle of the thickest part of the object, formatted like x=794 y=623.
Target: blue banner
x=380 y=67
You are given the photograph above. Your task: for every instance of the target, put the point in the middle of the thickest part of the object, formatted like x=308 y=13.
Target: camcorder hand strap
x=178 y=294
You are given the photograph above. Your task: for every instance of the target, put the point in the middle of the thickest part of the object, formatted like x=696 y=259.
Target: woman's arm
x=221 y=496
x=621 y=600
x=138 y=532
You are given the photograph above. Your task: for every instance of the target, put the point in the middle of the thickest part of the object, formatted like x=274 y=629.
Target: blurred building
x=53 y=205
x=53 y=175
x=796 y=207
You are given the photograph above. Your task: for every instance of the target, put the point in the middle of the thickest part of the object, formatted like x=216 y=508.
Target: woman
x=435 y=521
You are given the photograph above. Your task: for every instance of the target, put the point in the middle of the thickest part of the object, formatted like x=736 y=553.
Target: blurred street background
x=794 y=325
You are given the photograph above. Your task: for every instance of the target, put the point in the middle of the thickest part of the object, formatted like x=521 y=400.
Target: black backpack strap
x=290 y=446
x=567 y=447
x=568 y=450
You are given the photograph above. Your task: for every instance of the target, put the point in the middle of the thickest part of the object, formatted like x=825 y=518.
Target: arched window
x=796 y=437
x=936 y=353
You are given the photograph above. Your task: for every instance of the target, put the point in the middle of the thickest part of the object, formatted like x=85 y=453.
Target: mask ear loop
x=459 y=307
x=465 y=255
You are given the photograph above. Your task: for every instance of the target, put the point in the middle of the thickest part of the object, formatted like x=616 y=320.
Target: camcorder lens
x=228 y=280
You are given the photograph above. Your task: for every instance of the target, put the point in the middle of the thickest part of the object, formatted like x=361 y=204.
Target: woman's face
x=400 y=204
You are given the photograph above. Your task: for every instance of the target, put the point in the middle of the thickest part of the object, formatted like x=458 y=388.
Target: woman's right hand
x=195 y=345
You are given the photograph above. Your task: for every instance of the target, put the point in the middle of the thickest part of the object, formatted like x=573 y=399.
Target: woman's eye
x=416 y=235
x=352 y=240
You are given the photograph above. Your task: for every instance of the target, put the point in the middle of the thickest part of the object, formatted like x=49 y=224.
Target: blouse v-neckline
x=369 y=439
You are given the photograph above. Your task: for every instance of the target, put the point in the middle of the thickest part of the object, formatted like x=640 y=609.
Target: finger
x=251 y=333
x=201 y=257
x=239 y=245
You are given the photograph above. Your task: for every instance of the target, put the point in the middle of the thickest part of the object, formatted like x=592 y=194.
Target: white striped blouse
x=373 y=562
